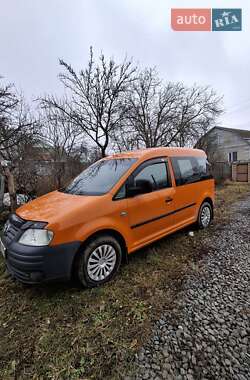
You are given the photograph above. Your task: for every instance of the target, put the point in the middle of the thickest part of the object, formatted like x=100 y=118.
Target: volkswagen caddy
x=114 y=207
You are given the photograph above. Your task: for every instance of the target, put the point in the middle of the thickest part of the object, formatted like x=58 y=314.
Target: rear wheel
x=99 y=261
x=205 y=215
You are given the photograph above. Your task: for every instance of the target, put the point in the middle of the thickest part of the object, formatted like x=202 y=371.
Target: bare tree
x=94 y=97
x=61 y=138
x=168 y=114
x=198 y=109
x=150 y=112
x=16 y=127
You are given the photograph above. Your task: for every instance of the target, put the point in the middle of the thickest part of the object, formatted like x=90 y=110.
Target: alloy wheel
x=101 y=262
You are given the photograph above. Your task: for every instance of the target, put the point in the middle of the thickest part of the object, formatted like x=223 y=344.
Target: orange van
x=117 y=205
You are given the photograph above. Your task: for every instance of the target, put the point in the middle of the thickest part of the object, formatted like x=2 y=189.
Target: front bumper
x=32 y=265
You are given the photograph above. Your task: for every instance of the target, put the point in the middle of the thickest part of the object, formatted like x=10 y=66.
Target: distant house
x=226 y=144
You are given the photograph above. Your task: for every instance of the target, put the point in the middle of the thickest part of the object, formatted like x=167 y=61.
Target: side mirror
x=142 y=186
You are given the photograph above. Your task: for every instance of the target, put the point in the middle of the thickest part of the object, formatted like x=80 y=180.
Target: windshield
x=100 y=177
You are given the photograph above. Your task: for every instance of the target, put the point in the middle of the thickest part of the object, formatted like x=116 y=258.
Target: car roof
x=158 y=152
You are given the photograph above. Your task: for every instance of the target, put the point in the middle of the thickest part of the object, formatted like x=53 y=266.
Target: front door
x=150 y=214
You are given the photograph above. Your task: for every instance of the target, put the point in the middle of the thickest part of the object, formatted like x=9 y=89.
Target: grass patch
x=62 y=332
x=226 y=195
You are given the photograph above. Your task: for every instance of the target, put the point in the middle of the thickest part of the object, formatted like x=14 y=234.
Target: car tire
x=99 y=261
x=205 y=215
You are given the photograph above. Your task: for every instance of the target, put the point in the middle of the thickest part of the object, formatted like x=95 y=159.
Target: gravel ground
x=207 y=334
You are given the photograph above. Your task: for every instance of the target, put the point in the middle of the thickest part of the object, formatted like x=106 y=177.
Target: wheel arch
x=210 y=201
x=107 y=231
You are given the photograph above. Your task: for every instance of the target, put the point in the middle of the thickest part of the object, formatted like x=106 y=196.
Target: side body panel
x=150 y=216
x=188 y=199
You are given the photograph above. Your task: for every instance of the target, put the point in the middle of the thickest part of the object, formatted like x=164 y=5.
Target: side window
x=186 y=168
x=190 y=169
x=155 y=173
x=204 y=167
x=183 y=170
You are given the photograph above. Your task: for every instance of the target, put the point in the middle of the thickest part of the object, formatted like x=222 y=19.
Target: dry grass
x=227 y=195
x=63 y=332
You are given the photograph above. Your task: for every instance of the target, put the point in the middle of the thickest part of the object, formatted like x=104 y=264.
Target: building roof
x=243 y=133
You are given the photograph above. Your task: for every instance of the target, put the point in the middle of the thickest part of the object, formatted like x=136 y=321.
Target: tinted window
x=186 y=168
x=190 y=169
x=100 y=177
x=156 y=174
x=204 y=167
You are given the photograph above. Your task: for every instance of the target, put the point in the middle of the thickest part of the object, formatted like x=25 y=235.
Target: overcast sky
x=35 y=33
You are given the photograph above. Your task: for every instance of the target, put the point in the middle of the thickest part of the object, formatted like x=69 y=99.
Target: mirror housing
x=142 y=186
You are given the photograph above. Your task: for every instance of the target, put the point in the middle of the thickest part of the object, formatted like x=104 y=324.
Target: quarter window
x=121 y=194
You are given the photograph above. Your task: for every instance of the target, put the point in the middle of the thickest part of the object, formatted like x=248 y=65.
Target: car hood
x=54 y=206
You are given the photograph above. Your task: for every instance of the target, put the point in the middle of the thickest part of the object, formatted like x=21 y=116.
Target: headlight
x=36 y=237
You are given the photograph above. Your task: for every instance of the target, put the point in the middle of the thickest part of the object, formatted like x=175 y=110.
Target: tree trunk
x=11 y=189
x=103 y=152
x=60 y=174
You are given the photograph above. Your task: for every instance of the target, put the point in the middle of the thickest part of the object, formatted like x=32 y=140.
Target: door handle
x=168 y=199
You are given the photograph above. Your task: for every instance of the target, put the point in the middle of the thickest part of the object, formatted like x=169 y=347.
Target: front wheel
x=205 y=215
x=99 y=261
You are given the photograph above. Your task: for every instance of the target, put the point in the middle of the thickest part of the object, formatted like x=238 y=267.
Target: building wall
x=226 y=142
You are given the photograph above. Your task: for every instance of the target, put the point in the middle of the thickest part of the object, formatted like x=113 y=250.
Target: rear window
x=190 y=169
x=100 y=177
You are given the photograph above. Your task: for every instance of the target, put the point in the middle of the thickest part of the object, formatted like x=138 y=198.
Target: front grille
x=11 y=233
x=16 y=220
x=12 y=229
x=23 y=262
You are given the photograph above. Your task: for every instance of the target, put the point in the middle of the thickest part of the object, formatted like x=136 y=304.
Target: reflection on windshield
x=100 y=177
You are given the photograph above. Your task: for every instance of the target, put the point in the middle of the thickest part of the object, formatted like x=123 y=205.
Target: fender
x=105 y=223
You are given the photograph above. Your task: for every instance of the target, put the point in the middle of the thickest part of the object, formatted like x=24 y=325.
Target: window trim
x=139 y=168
